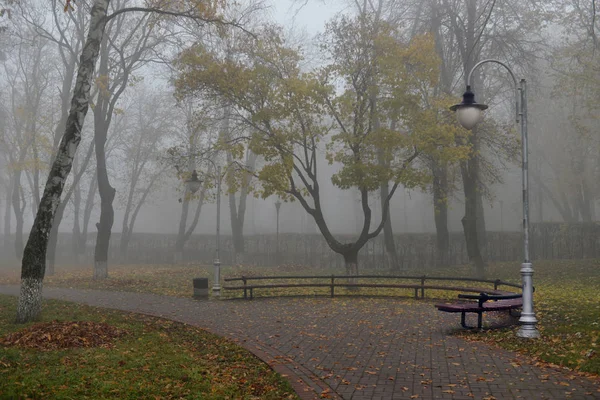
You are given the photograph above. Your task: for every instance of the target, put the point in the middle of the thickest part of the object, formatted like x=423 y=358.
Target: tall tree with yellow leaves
x=296 y=116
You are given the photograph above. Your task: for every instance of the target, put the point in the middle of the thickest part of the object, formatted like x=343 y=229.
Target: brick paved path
x=357 y=348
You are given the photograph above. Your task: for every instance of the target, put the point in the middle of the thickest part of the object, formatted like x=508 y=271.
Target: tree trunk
x=53 y=239
x=182 y=235
x=19 y=210
x=60 y=211
x=180 y=242
x=125 y=228
x=391 y=255
x=87 y=215
x=469 y=220
x=34 y=255
x=440 y=212
x=237 y=212
x=131 y=224
x=7 y=218
x=194 y=223
x=540 y=203
x=351 y=264
x=583 y=201
x=561 y=205
x=76 y=219
x=481 y=229
x=102 y=116
x=107 y=215
x=237 y=230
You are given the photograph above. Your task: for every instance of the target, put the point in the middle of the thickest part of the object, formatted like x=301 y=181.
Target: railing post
x=423 y=286
x=496 y=283
x=245 y=293
x=332 y=285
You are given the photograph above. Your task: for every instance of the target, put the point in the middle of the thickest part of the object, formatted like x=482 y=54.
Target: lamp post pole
x=217 y=263
x=469 y=113
x=277 y=207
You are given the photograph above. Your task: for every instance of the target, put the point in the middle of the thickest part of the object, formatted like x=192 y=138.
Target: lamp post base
x=216 y=289
x=528 y=321
x=528 y=332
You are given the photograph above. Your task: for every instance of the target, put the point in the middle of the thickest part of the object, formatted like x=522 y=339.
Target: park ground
x=567 y=305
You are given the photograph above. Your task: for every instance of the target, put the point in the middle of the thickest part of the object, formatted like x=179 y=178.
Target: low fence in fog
x=548 y=241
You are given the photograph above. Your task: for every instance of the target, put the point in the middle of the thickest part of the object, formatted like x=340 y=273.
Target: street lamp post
x=277 y=207
x=217 y=263
x=469 y=114
x=193 y=185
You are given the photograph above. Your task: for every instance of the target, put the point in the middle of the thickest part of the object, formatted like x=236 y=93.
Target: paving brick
x=356 y=348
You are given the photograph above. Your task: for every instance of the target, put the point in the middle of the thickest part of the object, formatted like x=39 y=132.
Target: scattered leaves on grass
x=55 y=335
x=567 y=305
x=158 y=359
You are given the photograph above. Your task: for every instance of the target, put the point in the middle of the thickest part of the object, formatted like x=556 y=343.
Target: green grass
x=567 y=306
x=567 y=299
x=157 y=359
x=176 y=280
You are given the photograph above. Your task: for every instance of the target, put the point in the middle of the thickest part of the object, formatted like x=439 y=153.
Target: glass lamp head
x=468 y=112
x=193 y=184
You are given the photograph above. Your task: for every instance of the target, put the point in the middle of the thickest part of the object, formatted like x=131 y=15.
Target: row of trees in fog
x=369 y=96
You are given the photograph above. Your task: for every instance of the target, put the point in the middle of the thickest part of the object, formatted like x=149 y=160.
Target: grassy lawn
x=567 y=299
x=149 y=358
x=567 y=305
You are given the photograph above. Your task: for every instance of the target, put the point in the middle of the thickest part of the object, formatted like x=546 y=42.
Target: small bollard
x=201 y=288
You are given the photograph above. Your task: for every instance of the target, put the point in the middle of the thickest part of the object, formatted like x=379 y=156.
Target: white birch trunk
x=33 y=266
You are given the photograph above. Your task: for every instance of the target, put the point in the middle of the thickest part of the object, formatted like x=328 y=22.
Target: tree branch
x=187 y=14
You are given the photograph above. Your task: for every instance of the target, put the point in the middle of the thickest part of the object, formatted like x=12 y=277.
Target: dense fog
x=164 y=101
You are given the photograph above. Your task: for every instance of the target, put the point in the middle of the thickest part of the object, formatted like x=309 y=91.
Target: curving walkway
x=356 y=348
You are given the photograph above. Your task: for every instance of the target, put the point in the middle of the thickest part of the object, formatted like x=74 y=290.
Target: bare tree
x=195 y=126
x=466 y=32
x=27 y=77
x=127 y=46
x=65 y=31
x=33 y=265
x=150 y=126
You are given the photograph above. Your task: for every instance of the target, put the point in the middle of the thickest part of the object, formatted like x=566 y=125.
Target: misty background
x=147 y=121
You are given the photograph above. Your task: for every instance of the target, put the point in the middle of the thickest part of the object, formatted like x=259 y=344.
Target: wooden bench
x=497 y=302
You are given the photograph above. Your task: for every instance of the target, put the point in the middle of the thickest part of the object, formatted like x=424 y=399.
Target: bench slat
x=485 y=303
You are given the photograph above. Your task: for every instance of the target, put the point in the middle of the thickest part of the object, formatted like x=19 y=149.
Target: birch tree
x=33 y=264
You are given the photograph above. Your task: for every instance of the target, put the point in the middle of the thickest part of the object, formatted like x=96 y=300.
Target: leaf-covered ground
x=567 y=299
x=567 y=305
x=55 y=335
x=87 y=353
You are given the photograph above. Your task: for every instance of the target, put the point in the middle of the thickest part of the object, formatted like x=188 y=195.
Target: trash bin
x=201 y=288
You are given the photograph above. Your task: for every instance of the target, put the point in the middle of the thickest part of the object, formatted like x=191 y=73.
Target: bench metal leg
x=512 y=314
x=251 y=293
x=464 y=324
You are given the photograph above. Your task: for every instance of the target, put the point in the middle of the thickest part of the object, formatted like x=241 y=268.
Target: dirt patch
x=61 y=335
